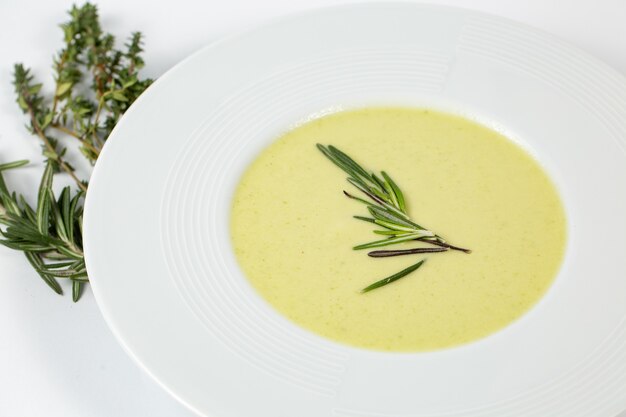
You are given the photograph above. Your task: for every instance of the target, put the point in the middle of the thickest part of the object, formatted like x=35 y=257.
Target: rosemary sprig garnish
x=386 y=205
x=50 y=234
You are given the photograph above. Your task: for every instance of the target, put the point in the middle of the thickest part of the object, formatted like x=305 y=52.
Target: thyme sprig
x=387 y=207
x=95 y=83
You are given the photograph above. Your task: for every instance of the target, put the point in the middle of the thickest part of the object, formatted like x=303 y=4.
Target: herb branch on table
x=95 y=83
x=387 y=208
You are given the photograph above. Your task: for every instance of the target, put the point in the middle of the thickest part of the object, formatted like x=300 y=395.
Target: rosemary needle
x=393 y=277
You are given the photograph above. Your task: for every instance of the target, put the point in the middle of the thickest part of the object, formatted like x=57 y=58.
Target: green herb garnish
x=387 y=208
x=393 y=277
x=95 y=83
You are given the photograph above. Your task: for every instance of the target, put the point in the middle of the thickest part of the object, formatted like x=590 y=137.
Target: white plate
x=156 y=222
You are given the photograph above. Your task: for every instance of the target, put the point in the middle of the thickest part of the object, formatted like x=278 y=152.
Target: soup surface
x=293 y=231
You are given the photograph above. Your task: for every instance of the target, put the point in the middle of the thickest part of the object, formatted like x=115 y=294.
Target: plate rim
x=88 y=218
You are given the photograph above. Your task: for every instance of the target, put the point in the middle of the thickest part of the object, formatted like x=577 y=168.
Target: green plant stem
x=51 y=148
x=94 y=126
x=59 y=69
x=75 y=135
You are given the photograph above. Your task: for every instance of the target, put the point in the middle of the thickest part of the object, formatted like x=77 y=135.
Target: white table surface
x=58 y=358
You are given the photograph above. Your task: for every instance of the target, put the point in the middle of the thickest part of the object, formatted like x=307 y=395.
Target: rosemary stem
x=400 y=252
x=446 y=245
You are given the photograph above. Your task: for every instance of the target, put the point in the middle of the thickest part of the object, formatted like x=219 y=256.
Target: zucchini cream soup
x=448 y=184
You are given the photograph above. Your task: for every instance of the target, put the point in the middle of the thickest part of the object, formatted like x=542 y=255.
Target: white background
x=58 y=358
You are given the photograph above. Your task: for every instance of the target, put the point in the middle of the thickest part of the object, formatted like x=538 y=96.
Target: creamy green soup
x=293 y=231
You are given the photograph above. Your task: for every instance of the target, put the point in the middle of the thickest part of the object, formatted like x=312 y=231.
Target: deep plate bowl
x=156 y=229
